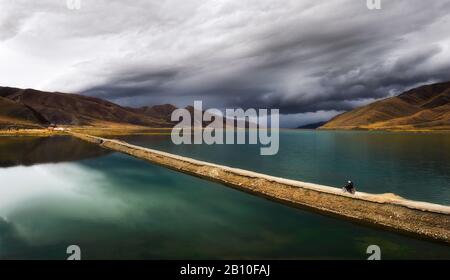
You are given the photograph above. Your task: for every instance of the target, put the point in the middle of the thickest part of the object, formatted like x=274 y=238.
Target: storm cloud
x=304 y=57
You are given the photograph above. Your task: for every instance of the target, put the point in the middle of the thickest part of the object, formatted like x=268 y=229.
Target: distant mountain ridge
x=423 y=108
x=29 y=108
x=33 y=108
x=158 y=111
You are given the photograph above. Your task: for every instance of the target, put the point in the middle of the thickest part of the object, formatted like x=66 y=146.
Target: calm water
x=55 y=192
x=415 y=166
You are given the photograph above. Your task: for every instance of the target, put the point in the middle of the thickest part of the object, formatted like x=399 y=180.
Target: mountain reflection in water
x=28 y=151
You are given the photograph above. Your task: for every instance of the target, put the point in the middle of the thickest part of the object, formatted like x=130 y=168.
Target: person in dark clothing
x=350 y=188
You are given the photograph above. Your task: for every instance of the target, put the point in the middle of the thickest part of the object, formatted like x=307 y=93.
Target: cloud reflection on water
x=58 y=191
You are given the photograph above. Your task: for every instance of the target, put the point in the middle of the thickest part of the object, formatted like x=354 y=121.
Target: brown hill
x=164 y=112
x=423 y=108
x=29 y=108
x=38 y=108
x=12 y=113
x=157 y=111
x=161 y=112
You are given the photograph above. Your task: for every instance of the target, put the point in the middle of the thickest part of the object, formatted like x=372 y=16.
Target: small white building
x=55 y=128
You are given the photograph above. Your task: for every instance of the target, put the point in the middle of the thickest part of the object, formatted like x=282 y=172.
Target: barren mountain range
x=423 y=108
x=33 y=108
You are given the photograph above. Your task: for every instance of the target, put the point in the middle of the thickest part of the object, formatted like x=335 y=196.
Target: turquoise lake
x=415 y=166
x=59 y=191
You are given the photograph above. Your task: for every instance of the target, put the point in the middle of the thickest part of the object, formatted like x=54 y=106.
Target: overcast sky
x=311 y=59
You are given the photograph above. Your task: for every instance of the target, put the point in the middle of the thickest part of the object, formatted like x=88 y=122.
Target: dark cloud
x=306 y=64
x=299 y=56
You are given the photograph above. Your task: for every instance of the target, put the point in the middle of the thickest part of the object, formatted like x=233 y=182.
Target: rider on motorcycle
x=350 y=188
